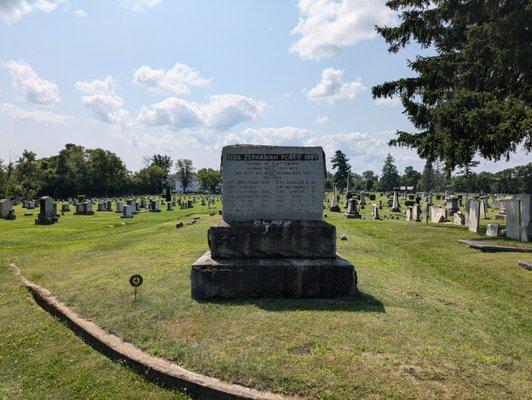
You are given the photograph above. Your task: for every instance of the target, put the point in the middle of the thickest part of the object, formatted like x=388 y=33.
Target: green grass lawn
x=434 y=320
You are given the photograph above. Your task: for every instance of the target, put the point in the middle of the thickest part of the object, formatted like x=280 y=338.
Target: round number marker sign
x=135 y=280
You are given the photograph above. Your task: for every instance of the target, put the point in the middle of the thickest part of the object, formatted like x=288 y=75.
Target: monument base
x=45 y=220
x=227 y=279
x=352 y=216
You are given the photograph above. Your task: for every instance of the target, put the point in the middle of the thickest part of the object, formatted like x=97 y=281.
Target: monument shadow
x=359 y=302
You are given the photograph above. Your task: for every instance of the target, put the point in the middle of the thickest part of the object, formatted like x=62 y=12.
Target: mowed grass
x=434 y=319
x=40 y=358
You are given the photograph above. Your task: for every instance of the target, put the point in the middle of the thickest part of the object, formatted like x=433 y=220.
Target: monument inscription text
x=272 y=182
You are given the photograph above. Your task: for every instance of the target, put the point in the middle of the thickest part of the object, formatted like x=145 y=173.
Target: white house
x=175 y=184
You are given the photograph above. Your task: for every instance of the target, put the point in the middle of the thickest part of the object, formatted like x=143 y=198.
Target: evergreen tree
x=390 y=176
x=427 y=181
x=474 y=95
x=340 y=163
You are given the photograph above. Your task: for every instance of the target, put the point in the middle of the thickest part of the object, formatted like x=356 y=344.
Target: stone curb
x=157 y=369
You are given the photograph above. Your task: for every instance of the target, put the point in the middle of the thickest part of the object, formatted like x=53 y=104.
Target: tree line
x=433 y=178
x=94 y=172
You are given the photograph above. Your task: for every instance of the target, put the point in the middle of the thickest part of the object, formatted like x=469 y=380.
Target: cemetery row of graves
x=281 y=287
x=433 y=319
x=512 y=219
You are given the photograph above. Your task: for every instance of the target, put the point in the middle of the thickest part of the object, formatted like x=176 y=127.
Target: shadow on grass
x=360 y=302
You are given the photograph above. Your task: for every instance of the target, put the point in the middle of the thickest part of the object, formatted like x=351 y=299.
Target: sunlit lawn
x=434 y=320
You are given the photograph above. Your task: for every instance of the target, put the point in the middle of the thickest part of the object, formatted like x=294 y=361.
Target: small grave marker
x=135 y=281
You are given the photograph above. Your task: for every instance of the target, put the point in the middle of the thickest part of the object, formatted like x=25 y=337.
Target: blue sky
x=184 y=78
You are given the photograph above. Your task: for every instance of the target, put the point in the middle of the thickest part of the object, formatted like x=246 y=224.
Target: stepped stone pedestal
x=226 y=279
x=281 y=248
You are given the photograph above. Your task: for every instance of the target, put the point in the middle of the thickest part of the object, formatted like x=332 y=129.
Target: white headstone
x=272 y=182
x=513 y=219
x=474 y=215
x=492 y=230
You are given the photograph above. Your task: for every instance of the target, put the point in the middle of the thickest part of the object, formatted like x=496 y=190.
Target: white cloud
x=34 y=116
x=176 y=80
x=80 y=13
x=140 y=5
x=286 y=136
x=97 y=86
x=387 y=102
x=352 y=143
x=221 y=112
x=327 y=26
x=29 y=85
x=332 y=89
x=13 y=10
x=321 y=119
x=101 y=98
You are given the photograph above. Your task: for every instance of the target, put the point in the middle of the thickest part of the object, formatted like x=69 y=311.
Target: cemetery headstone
x=459 y=218
x=352 y=211
x=452 y=205
x=518 y=218
x=416 y=213
x=5 y=207
x=492 y=230
x=482 y=209
x=335 y=206
x=127 y=211
x=409 y=213
x=395 y=201
x=362 y=198
x=155 y=206
x=272 y=241
x=474 y=215
x=46 y=216
x=375 y=211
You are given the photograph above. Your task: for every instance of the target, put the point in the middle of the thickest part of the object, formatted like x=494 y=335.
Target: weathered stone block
x=273 y=239
x=218 y=279
x=492 y=230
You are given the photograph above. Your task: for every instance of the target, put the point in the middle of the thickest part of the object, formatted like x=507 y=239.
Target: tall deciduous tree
x=209 y=179
x=27 y=174
x=163 y=161
x=469 y=179
x=150 y=180
x=369 y=179
x=390 y=176
x=473 y=95
x=3 y=179
x=340 y=163
x=411 y=177
x=184 y=172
